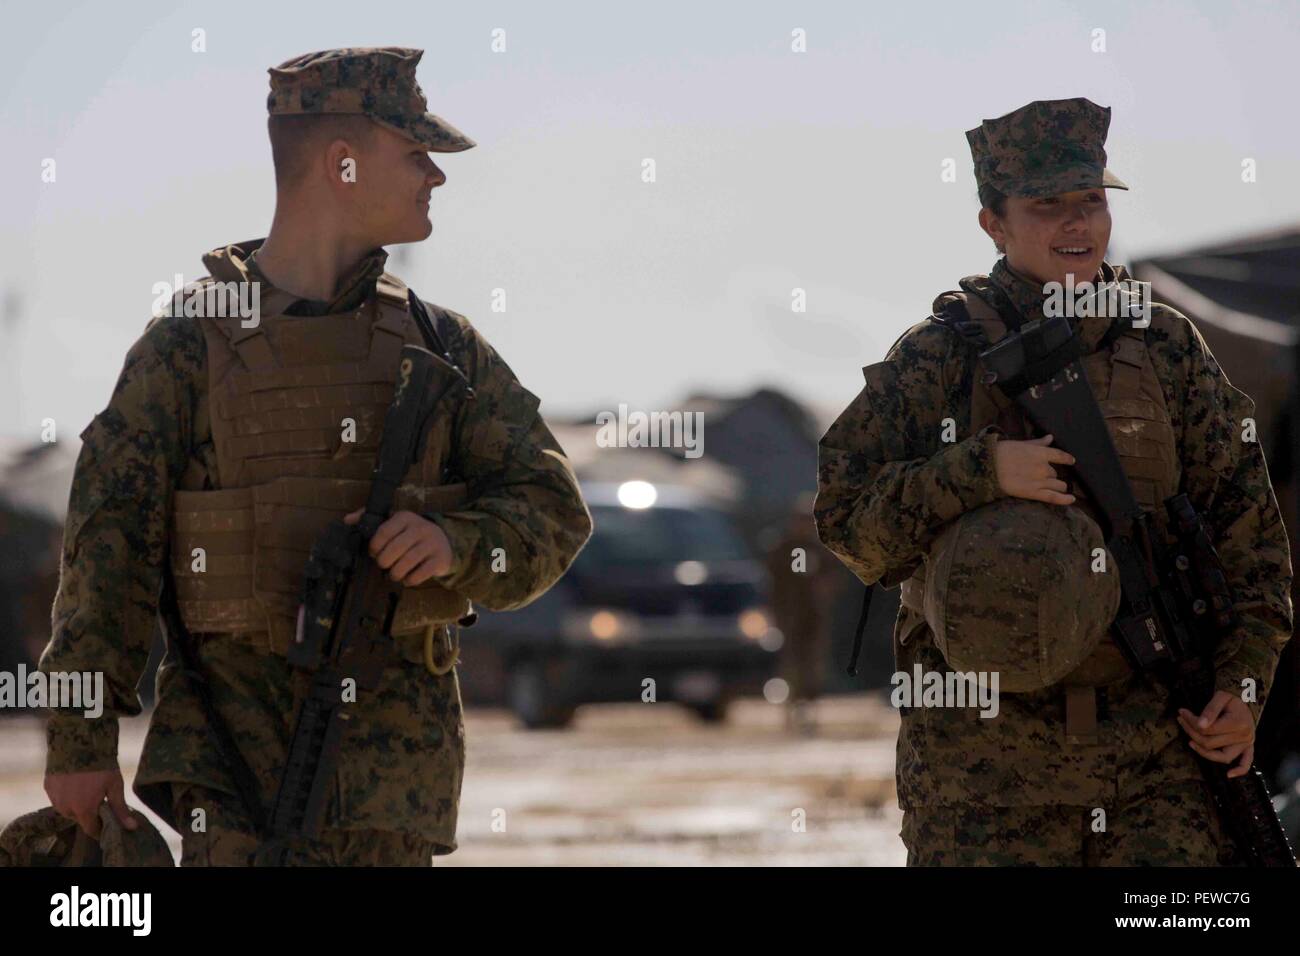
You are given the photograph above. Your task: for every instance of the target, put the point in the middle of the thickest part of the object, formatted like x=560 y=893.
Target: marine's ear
x=992 y=225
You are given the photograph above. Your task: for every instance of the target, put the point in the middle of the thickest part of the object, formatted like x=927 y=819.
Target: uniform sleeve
x=526 y=520
x=1226 y=477
x=887 y=481
x=114 y=539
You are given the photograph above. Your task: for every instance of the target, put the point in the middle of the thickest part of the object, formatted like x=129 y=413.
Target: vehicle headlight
x=753 y=623
x=601 y=625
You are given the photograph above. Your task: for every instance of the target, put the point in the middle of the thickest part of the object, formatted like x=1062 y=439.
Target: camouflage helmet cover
x=46 y=838
x=1010 y=588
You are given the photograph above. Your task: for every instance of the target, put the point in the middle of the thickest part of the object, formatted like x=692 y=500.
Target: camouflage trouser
x=226 y=841
x=1177 y=826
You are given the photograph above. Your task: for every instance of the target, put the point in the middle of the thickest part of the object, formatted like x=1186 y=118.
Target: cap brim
x=432 y=132
x=1068 y=180
x=1110 y=181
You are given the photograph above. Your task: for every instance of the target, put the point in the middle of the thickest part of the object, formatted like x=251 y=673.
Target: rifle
x=1176 y=602
x=347 y=611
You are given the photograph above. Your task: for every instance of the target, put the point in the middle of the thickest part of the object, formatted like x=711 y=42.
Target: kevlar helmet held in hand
x=1010 y=588
x=45 y=838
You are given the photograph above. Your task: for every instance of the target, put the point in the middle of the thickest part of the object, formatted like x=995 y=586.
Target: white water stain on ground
x=648 y=784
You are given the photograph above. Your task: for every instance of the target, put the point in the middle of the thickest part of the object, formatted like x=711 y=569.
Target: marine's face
x=395 y=179
x=1048 y=238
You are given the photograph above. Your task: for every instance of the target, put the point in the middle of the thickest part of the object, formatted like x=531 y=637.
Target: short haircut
x=994 y=200
x=296 y=136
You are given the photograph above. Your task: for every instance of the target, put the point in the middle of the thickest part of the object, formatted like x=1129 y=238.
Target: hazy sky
x=775 y=170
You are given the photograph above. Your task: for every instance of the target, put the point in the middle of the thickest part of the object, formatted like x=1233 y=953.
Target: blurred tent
x=1244 y=296
x=770 y=441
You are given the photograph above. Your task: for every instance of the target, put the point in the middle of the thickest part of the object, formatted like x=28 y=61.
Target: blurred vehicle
x=665 y=591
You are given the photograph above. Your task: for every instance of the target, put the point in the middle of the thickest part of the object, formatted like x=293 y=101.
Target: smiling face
x=372 y=183
x=1048 y=238
x=390 y=198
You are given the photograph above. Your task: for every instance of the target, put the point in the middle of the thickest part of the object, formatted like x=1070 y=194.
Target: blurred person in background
x=804 y=583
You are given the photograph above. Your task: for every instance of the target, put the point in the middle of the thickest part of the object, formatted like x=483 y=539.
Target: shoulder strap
x=428 y=330
x=1128 y=347
x=391 y=289
x=971 y=310
x=970 y=316
x=1118 y=328
x=430 y=333
x=398 y=293
x=985 y=295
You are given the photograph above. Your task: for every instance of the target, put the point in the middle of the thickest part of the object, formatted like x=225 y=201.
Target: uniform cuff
x=78 y=744
x=1228 y=677
x=463 y=536
x=980 y=457
x=1240 y=658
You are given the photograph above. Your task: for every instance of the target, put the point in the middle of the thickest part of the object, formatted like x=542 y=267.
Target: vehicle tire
x=532 y=700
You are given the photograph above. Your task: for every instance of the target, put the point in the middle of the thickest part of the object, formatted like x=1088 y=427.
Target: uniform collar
x=1028 y=297
x=238 y=262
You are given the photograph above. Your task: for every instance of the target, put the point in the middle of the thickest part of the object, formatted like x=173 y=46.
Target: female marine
x=934 y=480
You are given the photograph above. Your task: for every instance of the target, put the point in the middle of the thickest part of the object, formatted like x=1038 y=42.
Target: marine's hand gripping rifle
x=348 y=608
x=1176 y=603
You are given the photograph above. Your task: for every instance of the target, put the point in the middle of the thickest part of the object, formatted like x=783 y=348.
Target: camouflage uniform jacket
x=880 y=513
x=404 y=758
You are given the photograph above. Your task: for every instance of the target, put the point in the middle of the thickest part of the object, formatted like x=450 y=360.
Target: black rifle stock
x=348 y=608
x=1177 y=603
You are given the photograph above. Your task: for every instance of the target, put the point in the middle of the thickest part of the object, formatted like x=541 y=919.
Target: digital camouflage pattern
x=1176 y=826
x=888 y=486
x=378 y=82
x=404 y=753
x=1041 y=615
x=1043 y=149
x=45 y=838
x=225 y=840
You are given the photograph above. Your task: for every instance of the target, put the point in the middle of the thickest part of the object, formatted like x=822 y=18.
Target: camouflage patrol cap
x=1044 y=149
x=378 y=82
x=1010 y=588
x=45 y=838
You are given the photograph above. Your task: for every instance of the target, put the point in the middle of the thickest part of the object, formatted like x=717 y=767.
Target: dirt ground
x=636 y=784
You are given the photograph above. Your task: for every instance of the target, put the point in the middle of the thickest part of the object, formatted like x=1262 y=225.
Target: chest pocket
x=1133 y=405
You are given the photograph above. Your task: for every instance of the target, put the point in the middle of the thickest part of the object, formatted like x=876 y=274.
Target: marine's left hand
x=1224 y=732
x=410 y=548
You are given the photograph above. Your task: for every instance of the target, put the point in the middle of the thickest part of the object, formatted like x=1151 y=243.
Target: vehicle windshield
x=625 y=536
